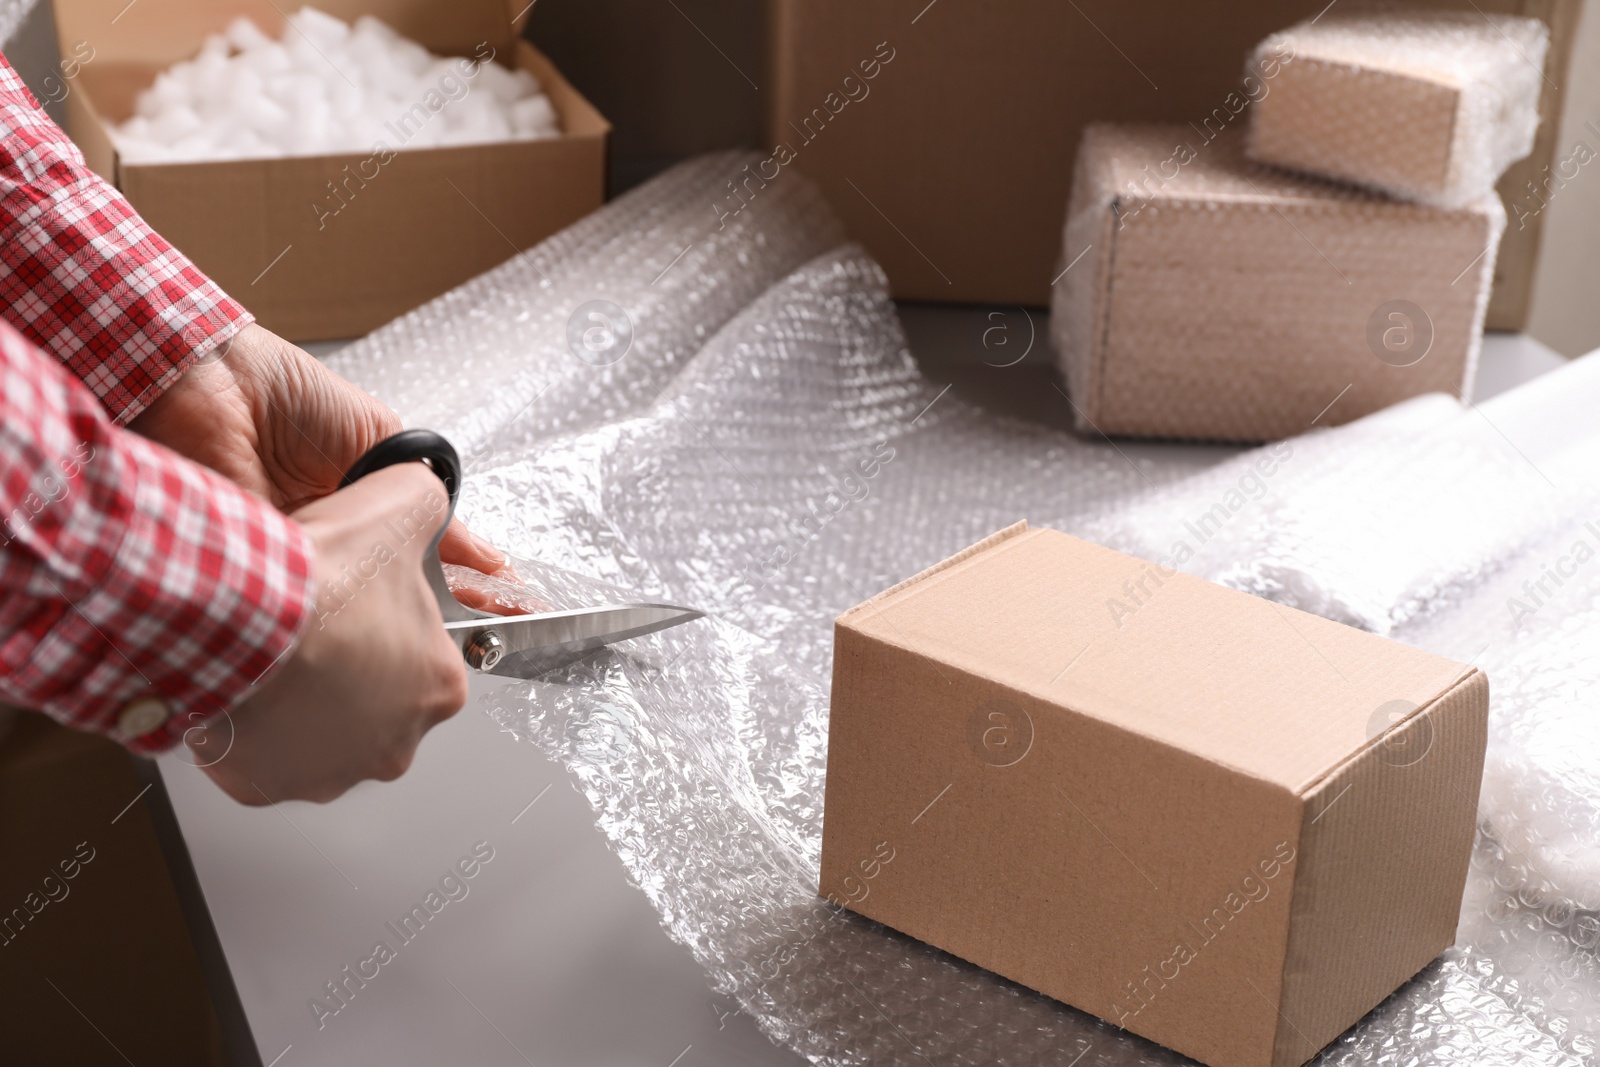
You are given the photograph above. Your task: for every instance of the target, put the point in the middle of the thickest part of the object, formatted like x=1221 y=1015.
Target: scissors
x=513 y=646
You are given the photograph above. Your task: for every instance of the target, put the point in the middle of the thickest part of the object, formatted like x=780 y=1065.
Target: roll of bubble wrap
x=774 y=472
x=1326 y=522
x=1430 y=106
x=1530 y=923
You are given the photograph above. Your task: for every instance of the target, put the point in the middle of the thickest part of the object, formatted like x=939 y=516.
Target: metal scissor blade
x=520 y=646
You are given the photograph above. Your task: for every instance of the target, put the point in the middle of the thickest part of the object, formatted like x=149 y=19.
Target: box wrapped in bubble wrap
x=1205 y=296
x=1431 y=106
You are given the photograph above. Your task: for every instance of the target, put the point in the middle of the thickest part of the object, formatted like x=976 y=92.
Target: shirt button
x=142 y=716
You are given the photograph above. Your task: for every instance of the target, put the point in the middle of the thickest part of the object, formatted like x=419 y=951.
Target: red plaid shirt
x=140 y=594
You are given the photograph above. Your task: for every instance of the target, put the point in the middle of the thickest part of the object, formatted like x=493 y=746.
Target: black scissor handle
x=412 y=446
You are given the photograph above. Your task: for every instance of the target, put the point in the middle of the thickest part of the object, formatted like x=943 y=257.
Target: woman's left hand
x=268 y=416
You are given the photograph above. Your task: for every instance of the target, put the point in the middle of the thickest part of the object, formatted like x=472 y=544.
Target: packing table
x=550 y=957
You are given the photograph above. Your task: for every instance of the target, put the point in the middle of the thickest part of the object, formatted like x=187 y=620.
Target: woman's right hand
x=374 y=669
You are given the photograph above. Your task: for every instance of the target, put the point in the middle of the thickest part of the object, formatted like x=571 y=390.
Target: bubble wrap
x=12 y=14
x=495 y=352
x=774 y=471
x=1530 y=924
x=1541 y=791
x=1323 y=522
x=1430 y=106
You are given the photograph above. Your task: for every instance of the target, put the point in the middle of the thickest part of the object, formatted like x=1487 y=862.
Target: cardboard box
x=1431 y=107
x=1225 y=825
x=953 y=169
x=1211 y=297
x=334 y=246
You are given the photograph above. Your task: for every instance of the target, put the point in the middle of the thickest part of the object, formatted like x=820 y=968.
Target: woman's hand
x=374 y=670
x=270 y=417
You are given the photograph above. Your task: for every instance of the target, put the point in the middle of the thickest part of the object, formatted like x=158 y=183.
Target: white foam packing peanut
x=327 y=88
x=1430 y=106
x=723 y=468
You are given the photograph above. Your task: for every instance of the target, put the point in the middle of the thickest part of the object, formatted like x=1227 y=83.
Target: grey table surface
x=551 y=957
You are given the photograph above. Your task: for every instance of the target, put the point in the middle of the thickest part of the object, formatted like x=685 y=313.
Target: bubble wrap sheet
x=493 y=354
x=774 y=468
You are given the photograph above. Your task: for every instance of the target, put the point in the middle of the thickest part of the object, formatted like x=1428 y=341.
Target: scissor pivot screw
x=484 y=650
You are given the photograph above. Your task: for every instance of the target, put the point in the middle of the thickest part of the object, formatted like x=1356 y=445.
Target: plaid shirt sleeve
x=84 y=278
x=140 y=594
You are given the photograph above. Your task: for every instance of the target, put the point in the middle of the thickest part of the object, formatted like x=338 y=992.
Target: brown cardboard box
x=1212 y=297
x=308 y=261
x=954 y=169
x=1222 y=824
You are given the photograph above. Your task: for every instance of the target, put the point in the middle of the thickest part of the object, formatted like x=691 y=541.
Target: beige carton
x=1227 y=826
x=334 y=246
x=1206 y=296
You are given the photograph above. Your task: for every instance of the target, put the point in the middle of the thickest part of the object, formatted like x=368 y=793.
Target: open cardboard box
x=334 y=246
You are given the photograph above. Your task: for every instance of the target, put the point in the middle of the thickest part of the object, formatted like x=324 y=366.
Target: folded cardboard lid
x=161 y=32
x=1278 y=694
